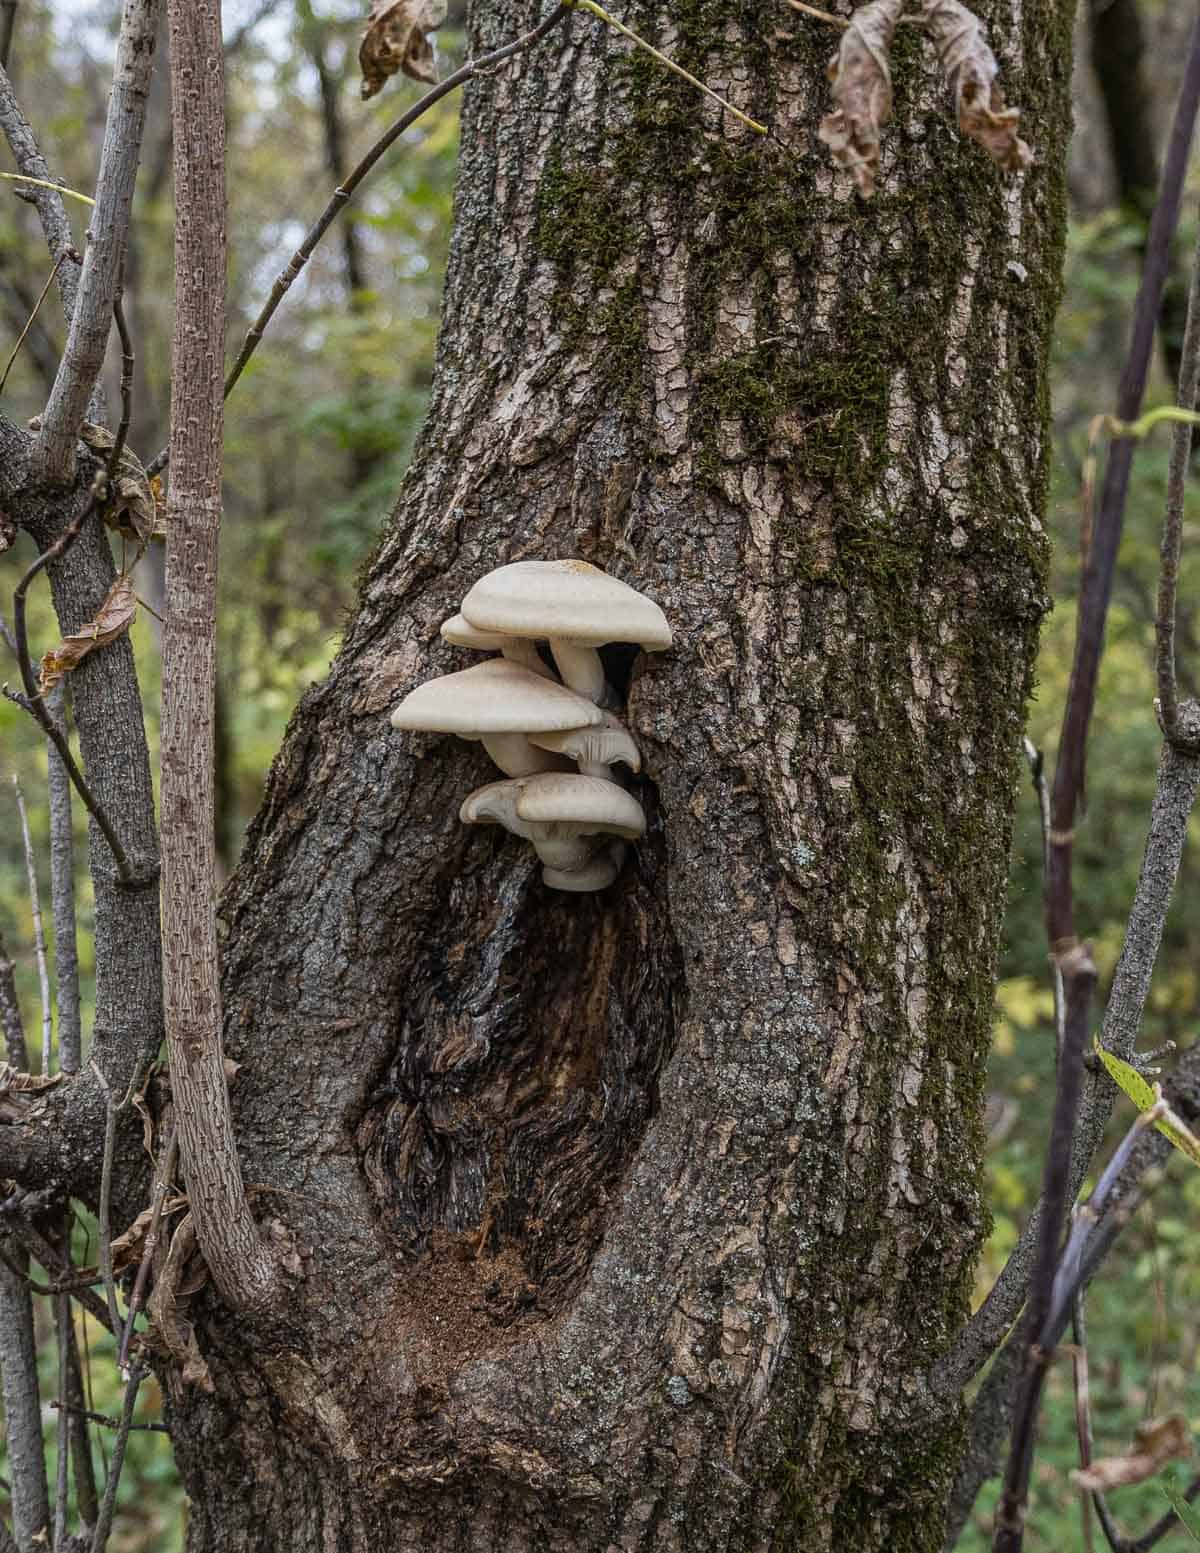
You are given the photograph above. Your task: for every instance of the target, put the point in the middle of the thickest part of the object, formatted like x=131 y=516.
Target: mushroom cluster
x=534 y=727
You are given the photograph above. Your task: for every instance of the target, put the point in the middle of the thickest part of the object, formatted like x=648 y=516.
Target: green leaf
x=1131 y=1083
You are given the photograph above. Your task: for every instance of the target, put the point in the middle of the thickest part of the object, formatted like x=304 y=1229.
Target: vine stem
x=611 y=21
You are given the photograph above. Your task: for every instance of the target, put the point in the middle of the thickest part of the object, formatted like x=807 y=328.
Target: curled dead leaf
x=167 y=1319
x=131 y=508
x=1156 y=1442
x=14 y=1083
x=971 y=71
x=397 y=39
x=114 y=616
x=862 y=90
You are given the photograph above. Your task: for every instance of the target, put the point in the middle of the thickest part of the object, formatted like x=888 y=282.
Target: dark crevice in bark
x=530 y=1034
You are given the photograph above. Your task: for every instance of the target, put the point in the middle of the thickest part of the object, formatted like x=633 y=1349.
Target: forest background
x=318 y=436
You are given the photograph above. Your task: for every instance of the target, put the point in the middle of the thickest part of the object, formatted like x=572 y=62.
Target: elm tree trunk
x=633 y=1221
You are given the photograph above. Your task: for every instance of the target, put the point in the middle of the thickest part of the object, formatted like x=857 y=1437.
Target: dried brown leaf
x=396 y=39
x=131 y=509
x=114 y=616
x=971 y=70
x=862 y=90
x=167 y=1320
x=17 y=1090
x=127 y=1247
x=1156 y=1442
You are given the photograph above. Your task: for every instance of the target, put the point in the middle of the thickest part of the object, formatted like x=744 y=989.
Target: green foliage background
x=319 y=432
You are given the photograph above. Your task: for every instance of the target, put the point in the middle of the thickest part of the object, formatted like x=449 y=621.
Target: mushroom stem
x=580 y=668
x=516 y=757
x=521 y=650
x=565 y=854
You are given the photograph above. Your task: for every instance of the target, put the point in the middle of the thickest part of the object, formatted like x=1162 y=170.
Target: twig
x=1172 y=534
x=991 y=1322
x=57 y=1286
x=124 y=1425
x=821 y=16
x=7 y=23
x=1083 y=1412
x=158 y=1196
x=1037 y=776
x=127 y=365
x=1162 y=1526
x=62 y=1315
x=341 y=195
x=8 y=365
x=1096 y=586
x=611 y=21
x=32 y=701
x=48 y=183
x=48 y=194
x=62 y=895
x=39 y=936
x=1079 y=975
x=104 y=1247
x=22 y=1412
x=55 y=1261
x=86 y=1502
x=83 y=356
x=15 y=1050
x=1175 y=793
x=109 y=1422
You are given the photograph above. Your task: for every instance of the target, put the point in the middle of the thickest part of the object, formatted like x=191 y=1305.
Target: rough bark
x=634 y=1221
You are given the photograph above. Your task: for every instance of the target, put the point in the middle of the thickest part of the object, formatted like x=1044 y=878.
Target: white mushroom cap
x=597 y=874
x=498 y=702
x=575 y=606
x=494 y=697
x=580 y=805
x=519 y=649
x=497 y=803
x=595 y=750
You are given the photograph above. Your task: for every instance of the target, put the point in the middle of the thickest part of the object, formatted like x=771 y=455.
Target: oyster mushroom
x=576 y=607
x=596 y=874
x=560 y=812
x=595 y=750
x=498 y=703
x=496 y=804
x=517 y=649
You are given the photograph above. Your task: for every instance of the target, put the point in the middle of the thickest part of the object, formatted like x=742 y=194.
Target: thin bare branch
x=47 y=201
x=16 y=350
x=1079 y=975
x=341 y=195
x=107 y=1421
x=22 y=1411
x=13 y=1025
x=39 y=936
x=1096 y=586
x=62 y=1319
x=163 y=1175
x=62 y=895
x=107 y=1504
x=104 y=1216
x=239 y=1262
x=99 y=280
x=1175 y=794
x=128 y=362
x=86 y=1500
x=1172 y=534
x=33 y=702
x=8 y=20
